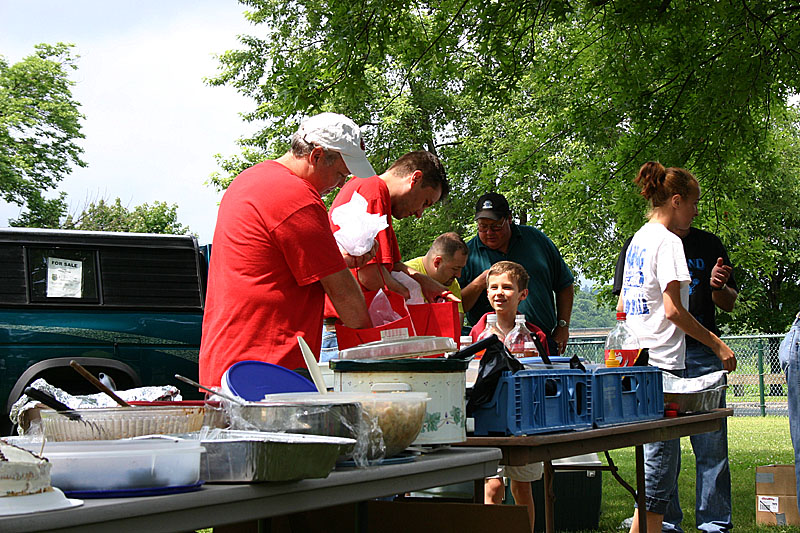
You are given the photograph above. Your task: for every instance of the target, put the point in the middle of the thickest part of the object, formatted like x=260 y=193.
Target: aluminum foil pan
x=694 y=395
x=252 y=456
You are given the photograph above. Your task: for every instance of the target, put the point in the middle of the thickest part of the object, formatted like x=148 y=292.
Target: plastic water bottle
x=622 y=344
x=517 y=337
x=491 y=329
x=530 y=349
x=464 y=341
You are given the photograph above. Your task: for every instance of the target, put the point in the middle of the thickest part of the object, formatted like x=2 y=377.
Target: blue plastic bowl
x=252 y=380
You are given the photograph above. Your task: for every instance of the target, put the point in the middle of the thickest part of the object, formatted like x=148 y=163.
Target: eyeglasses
x=496 y=228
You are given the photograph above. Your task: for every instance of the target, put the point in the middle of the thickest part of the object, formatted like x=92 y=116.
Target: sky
x=152 y=126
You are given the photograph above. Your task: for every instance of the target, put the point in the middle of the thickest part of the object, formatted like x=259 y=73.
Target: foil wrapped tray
x=254 y=456
x=693 y=395
x=696 y=402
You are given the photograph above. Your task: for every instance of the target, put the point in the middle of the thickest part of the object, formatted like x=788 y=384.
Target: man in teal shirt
x=550 y=289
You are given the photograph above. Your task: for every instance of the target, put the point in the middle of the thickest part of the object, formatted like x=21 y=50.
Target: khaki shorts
x=528 y=472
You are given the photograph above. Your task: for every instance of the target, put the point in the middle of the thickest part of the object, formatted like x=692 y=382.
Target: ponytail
x=659 y=184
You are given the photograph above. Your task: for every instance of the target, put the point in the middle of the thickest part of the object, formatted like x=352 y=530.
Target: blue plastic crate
x=536 y=401
x=626 y=394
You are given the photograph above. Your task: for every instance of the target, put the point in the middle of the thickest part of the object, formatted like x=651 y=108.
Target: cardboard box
x=777 y=510
x=776 y=496
x=775 y=480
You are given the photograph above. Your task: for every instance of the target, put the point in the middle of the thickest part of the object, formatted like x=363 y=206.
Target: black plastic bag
x=575 y=363
x=494 y=362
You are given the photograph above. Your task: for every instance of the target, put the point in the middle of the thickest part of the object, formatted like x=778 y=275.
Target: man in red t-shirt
x=412 y=184
x=274 y=257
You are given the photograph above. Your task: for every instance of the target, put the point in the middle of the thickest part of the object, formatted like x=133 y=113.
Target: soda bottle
x=622 y=344
x=517 y=337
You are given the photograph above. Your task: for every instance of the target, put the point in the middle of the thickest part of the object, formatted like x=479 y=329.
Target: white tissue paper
x=357 y=228
x=413 y=287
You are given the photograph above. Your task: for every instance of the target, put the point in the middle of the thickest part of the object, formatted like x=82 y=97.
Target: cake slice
x=22 y=472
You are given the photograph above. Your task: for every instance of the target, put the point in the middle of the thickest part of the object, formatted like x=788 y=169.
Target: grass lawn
x=752 y=441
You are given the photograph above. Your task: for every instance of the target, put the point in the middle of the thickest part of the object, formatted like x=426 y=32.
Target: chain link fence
x=757 y=388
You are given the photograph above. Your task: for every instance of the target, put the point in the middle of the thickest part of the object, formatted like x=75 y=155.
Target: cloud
x=152 y=126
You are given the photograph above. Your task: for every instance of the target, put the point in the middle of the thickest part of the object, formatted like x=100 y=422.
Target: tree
x=100 y=216
x=555 y=104
x=762 y=225
x=587 y=313
x=39 y=127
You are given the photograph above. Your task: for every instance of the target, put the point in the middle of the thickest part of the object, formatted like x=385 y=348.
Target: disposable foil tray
x=694 y=395
x=253 y=456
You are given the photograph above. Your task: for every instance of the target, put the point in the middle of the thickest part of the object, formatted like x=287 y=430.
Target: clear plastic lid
x=311 y=398
x=348 y=397
x=400 y=347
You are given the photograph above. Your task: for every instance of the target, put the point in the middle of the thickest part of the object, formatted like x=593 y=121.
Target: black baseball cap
x=492 y=205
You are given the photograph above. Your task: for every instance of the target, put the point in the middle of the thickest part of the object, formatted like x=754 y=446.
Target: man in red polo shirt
x=274 y=257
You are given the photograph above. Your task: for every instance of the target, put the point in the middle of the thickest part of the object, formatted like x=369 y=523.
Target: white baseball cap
x=338 y=133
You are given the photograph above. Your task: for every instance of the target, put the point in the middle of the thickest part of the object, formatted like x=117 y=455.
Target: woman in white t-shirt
x=655 y=297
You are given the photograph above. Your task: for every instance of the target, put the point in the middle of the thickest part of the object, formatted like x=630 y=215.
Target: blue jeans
x=662 y=464
x=330 y=346
x=789 y=356
x=713 y=474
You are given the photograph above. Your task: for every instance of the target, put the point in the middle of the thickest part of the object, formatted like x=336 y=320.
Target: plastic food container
x=444 y=380
x=399 y=416
x=109 y=423
x=400 y=347
x=122 y=464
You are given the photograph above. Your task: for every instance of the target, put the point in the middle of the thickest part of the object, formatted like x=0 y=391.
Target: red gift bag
x=349 y=337
x=438 y=319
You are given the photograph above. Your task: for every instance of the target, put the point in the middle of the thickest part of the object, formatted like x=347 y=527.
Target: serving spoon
x=98 y=384
x=313 y=367
x=212 y=391
x=61 y=408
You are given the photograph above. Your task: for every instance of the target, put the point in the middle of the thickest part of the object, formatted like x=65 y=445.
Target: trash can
x=578 y=494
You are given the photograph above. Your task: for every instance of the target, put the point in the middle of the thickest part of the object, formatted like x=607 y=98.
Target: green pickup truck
x=128 y=305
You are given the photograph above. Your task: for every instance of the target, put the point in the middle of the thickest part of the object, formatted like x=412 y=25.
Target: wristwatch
x=562 y=323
